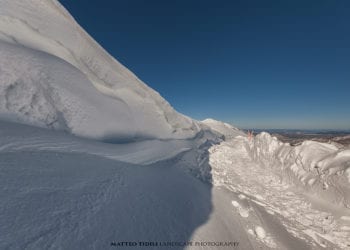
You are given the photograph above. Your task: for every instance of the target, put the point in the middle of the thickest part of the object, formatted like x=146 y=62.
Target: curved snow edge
x=46 y=26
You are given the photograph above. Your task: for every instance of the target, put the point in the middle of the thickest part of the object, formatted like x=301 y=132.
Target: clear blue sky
x=256 y=64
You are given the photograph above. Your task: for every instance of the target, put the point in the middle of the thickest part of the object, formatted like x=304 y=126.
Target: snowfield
x=64 y=192
x=61 y=191
x=90 y=157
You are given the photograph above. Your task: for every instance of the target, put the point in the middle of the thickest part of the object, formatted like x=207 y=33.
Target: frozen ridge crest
x=54 y=75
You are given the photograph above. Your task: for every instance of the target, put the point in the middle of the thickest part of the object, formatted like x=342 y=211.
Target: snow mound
x=321 y=168
x=225 y=129
x=243 y=212
x=260 y=232
x=54 y=75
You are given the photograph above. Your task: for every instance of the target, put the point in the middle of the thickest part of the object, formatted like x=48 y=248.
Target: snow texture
x=224 y=129
x=318 y=168
x=90 y=155
x=54 y=75
x=64 y=192
x=282 y=215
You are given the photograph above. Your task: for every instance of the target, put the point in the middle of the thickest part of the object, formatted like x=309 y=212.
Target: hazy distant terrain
x=296 y=137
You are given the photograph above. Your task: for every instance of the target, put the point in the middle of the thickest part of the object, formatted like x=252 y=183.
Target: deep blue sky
x=256 y=64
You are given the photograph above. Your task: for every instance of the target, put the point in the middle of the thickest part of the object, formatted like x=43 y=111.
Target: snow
x=243 y=212
x=61 y=191
x=225 y=129
x=90 y=155
x=347 y=218
x=21 y=138
x=319 y=168
x=63 y=201
x=260 y=232
x=235 y=204
x=54 y=75
x=252 y=168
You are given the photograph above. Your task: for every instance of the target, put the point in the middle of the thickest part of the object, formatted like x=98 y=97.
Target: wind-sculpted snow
x=136 y=181
x=75 y=85
x=321 y=168
x=224 y=129
x=59 y=191
x=273 y=210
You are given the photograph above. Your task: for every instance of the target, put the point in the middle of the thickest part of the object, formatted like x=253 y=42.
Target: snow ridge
x=224 y=129
x=321 y=168
x=40 y=25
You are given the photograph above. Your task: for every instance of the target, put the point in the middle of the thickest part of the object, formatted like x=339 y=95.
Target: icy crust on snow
x=98 y=89
x=225 y=129
x=322 y=168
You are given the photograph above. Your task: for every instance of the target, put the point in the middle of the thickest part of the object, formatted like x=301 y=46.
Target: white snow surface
x=282 y=211
x=59 y=191
x=318 y=168
x=54 y=75
x=153 y=174
x=225 y=129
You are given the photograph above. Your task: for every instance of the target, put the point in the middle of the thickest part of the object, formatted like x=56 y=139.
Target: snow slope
x=59 y=191
x=54 y=75
x=74 y=200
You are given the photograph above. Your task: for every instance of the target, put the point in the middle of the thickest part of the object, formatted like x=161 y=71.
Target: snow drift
x=321 y=168
x=54 y=75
